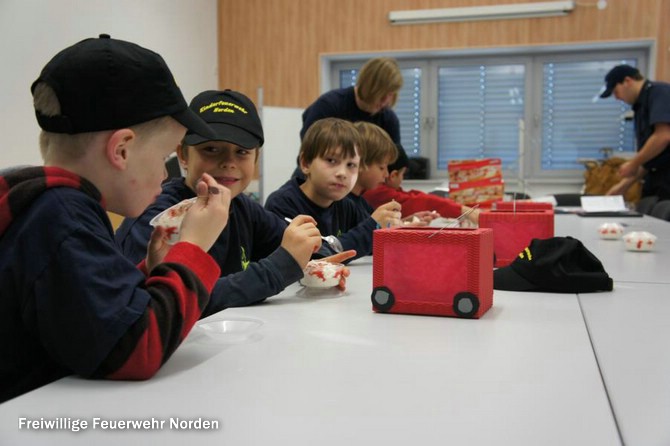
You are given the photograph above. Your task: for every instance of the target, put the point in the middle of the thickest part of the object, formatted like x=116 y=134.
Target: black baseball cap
x=617 y=75
x=106 y=84
x=401 y=161
x=231 y=115
x=558 y=265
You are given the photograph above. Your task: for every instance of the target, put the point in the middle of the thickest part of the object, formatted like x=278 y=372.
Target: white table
x=328 y=371
x=630 y=328
x=622 y=265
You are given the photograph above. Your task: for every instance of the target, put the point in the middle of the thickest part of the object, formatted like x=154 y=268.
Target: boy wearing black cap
x=70 y=302
x=414 y=202
x=651 y=104
x=259 y=255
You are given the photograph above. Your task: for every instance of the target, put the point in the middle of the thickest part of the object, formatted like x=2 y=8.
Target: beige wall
x=276 y=44
x=34 y=31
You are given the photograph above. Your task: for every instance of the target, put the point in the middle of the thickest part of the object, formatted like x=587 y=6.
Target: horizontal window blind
x=576 y=124
x=348 y=78
x=479 y=108
x=408 y=109
x=465 y=106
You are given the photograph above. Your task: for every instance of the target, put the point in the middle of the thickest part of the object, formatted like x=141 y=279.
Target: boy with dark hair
x=377 y=151
x=70 y=302
x=259 y=255
x=329 y=159
x=414 y=201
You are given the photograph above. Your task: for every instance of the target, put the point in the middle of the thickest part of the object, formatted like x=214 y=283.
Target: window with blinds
x=478 y=113
x=576 y=124
x=538 y=111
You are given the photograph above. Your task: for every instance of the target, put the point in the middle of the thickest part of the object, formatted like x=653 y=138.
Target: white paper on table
x=603 y=203
x=545 y=199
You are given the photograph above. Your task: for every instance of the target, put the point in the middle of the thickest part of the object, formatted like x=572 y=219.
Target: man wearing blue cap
x=651 y=104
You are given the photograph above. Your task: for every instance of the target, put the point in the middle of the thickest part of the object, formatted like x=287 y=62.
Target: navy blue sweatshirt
x=253 y=265
x=341 y=103
x=344 y=219
x=70 y=302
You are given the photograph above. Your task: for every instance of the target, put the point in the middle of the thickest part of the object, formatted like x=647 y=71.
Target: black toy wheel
x=382 y=299
x=466 y=304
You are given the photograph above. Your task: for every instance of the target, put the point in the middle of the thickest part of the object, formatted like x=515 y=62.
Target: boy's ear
x=118 y=146
x=182 y=155
x=304 y=165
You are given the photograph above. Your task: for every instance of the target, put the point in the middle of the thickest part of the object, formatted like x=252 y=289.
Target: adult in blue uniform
x=370 y=100
x=651 y=104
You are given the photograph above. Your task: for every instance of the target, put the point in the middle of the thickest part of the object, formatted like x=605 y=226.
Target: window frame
x=460 y=62
x=534 y=131
x=532 y=56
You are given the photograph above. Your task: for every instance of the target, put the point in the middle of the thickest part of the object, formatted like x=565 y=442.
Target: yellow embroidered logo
x=223 y=107
x=243 y=260
x=527 y=253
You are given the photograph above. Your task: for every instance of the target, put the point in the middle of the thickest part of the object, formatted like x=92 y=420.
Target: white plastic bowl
x=610 y=231
x=639 y=241
x=230 y=330
x=322 y=274
x=171 y=219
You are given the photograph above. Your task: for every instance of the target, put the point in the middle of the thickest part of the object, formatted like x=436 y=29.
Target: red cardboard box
x=522 y=206
x=476 y=181
x=433 y=271
x=513 y=230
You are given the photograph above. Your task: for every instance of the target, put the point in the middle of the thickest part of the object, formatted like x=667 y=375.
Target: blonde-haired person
x=377 y=87
x=377 y=152
x=70 y=302
x=329 y=159
x=370 y=100
x=414 y=202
